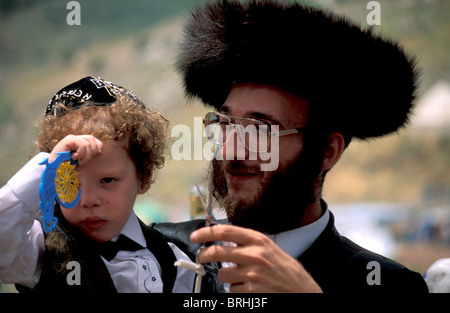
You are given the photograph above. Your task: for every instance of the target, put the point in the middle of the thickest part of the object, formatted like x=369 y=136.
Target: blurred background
x=389 y=195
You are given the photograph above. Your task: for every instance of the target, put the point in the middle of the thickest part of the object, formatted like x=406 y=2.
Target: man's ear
x=334 y=150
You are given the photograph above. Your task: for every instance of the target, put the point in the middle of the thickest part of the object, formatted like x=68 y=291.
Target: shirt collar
x=296 y=241
x=132 y=230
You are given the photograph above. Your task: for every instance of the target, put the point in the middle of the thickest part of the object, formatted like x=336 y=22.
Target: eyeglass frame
x=230 y=118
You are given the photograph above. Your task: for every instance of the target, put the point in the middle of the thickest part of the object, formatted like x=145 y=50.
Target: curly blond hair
x=146 y=130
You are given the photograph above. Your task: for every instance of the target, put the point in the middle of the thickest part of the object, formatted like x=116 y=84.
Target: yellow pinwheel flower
x=66 y=181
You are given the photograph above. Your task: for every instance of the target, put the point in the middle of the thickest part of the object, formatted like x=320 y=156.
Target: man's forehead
x=265 y=102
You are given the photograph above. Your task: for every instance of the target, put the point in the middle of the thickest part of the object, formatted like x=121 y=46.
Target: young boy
x=118 y=144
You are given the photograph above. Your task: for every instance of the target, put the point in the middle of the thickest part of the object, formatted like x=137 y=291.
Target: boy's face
x=109 y=184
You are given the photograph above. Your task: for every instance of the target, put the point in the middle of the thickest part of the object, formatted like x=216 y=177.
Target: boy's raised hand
x=83 y=147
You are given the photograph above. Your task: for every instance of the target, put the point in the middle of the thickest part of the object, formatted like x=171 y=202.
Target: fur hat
x=359 y=83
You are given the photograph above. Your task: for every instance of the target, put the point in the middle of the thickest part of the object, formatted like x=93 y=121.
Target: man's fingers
x=232 y=275
x=238 y=235
x=217 y=253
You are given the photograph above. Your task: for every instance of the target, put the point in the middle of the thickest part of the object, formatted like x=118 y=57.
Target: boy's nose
x=89 y=198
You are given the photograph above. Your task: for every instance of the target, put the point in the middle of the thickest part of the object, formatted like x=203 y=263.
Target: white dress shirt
x=296 y=241
x=22 y=241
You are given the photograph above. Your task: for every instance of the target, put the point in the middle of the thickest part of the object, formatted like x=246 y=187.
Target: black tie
x=109 y=249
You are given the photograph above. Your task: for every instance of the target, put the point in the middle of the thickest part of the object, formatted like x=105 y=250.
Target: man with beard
x=249 y=194
x=315 y=81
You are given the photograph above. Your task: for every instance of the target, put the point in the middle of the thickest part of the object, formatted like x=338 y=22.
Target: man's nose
x=233 y=147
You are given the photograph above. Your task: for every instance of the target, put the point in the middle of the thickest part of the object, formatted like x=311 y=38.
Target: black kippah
x=88 y=90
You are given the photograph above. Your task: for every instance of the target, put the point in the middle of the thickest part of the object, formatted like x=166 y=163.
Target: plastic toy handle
x=48 y=188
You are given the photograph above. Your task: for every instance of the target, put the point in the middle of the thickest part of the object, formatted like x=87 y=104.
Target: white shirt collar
x=296 y=241
x=133 y=230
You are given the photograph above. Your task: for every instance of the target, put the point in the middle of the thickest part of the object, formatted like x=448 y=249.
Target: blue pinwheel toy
x=58 y=182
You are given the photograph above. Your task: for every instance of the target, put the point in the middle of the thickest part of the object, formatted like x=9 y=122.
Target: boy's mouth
x=94 y=222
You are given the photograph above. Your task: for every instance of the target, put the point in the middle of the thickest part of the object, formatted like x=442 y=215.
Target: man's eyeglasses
x=255 y=134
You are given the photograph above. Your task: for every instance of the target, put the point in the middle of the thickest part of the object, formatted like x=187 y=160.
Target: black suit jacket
x=336 y=263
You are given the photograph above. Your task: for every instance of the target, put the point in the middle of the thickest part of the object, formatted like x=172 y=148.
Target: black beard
x=280 y=203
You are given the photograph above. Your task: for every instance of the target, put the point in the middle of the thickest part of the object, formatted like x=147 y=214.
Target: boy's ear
x=334 y=150
x=144 y=188
x=144 y=185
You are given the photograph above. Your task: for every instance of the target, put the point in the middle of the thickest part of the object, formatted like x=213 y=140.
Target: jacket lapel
x=324 y=259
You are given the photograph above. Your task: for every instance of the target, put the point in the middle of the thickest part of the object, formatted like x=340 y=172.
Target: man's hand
x=261 y=266
x=84 y=148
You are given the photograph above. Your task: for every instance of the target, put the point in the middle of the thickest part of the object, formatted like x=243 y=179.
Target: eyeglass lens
x=253 y=133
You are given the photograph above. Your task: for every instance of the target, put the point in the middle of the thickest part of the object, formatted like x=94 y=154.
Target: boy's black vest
x=67 y=243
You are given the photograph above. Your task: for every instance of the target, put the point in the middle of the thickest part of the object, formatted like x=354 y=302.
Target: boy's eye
x=108 y=180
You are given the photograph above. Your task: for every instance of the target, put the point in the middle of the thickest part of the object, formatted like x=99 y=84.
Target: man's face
x=240 y=186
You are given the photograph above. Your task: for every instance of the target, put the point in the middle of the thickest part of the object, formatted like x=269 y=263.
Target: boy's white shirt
x=22 y=241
